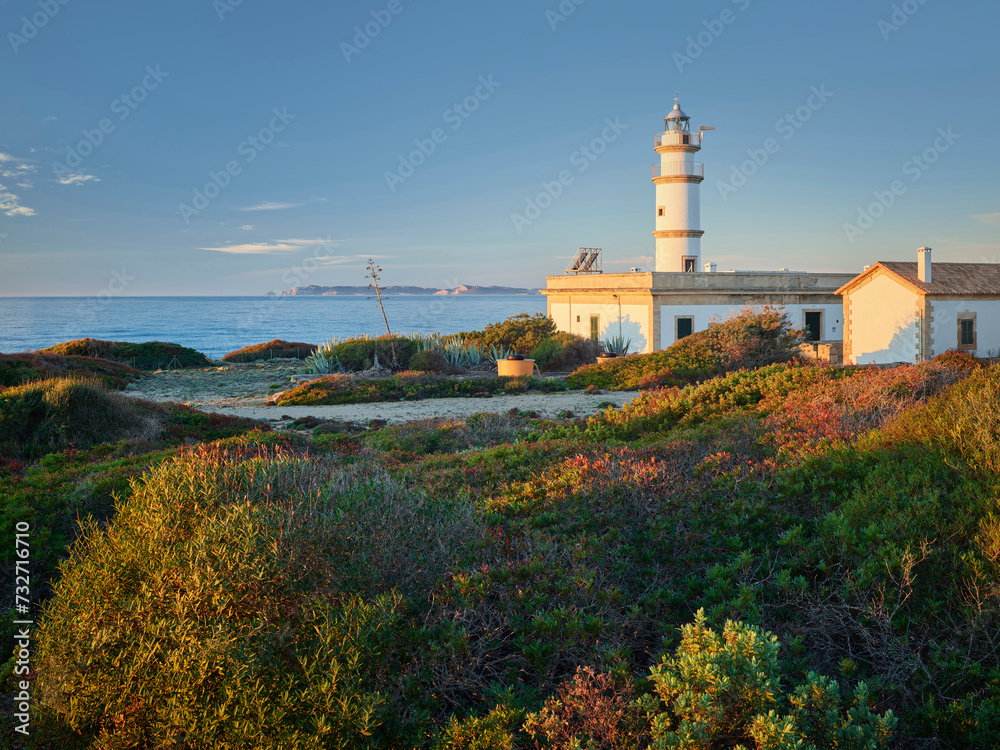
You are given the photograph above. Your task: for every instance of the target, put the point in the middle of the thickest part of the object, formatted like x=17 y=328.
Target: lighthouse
x=678 y=181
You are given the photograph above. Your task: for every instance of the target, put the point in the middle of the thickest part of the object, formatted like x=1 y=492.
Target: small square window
x=577 y=318
x=689 y=265
x=685 y=327
x=659 y=211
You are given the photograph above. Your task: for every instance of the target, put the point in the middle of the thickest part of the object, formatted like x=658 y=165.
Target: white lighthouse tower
x=678 y=181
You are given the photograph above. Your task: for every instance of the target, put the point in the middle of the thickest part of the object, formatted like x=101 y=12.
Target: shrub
x=725 y=691
x=746 y=340
x=256 y=594
x=52 y=415
x=564 y=351
x=956 y=360
x=274 y=349
x=429 y=360
x=521 y=332
x=18 y=369
x=359 y=354
x=150 y=355
x=593 y=710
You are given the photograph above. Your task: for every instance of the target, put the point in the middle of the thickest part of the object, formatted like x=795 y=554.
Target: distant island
x=343 y=291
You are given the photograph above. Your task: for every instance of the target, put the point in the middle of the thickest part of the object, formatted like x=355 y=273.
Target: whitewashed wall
x=884 y=323
x=635 y=321
x=945 y=330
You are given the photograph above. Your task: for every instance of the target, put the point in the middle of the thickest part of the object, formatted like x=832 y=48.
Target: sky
x=237 y=147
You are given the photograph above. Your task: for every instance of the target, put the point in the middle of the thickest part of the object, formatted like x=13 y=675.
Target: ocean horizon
x=218 y=325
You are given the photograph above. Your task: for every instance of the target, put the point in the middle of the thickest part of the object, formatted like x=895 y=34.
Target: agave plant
x=498 y=352
x=323 y=361
x=617 y=345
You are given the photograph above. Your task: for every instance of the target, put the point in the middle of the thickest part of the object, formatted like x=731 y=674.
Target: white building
x=910 y=312
x=681 y=296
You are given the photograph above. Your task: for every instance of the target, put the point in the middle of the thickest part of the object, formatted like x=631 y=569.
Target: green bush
x=564 y=351
x=724 y=690
x=150 y=355
x=521 y=332
x=429 y=360
x=18 y=369
x=52 y=415
x=359 y=354
x=276 y=348
x=245 y=598
x=749 y=339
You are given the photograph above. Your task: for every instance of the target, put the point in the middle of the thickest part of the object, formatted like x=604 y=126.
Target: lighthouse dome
x=677 y=113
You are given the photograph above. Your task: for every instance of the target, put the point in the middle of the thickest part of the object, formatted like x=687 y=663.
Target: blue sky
x=319 y=134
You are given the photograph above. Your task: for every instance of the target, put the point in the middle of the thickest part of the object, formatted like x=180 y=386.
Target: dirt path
x=242 y=390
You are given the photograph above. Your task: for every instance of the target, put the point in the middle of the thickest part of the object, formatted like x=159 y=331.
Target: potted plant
x=614 y=347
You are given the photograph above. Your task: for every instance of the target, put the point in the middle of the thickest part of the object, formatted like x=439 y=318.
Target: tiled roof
x=951 y=278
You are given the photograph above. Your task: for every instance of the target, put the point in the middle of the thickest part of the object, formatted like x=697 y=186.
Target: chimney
x=710 y=267
x=924 y=264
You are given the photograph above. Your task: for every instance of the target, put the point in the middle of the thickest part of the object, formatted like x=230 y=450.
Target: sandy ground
x=243 y=390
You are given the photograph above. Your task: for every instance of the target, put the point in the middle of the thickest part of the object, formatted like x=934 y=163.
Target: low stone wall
x=828 y=352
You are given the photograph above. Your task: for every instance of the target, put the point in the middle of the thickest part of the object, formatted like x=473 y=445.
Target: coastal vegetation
x=409 y=385
x=274 y=349
x=18 y=369
x=752 y=338
x=149 y=355
x=780 y=555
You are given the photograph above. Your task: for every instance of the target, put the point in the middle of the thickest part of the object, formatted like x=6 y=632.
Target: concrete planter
x=514 y=367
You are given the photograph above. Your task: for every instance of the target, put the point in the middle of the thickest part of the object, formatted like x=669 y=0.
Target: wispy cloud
x=247 y=227
x=14 y=168
x=10 y=204
x=987 y=218
x=275 y=248
x=254 y=248
x=77 y=178
x=270 y=206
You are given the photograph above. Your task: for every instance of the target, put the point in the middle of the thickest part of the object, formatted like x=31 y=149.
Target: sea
x=218 y=325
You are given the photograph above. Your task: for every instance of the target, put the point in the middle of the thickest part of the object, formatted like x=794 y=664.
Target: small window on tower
x=689 y=266
x=659 y=211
